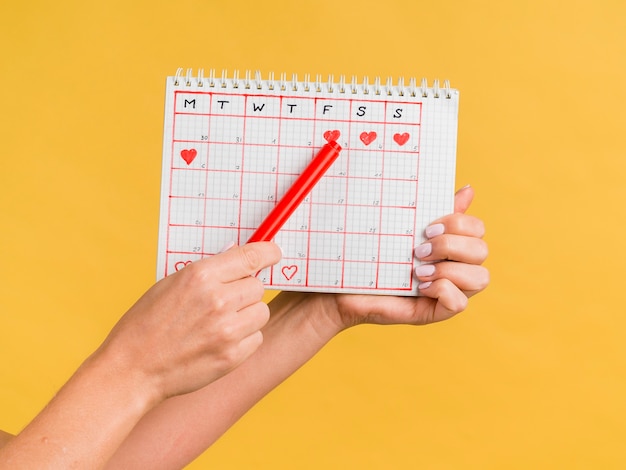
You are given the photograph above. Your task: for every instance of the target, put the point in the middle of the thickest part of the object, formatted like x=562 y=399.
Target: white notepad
x=232 y=146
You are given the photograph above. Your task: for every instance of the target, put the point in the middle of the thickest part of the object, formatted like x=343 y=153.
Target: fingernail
x=461 y=189
x=434 y=230
x=227 y=247
x=281 y=251
x=424 y=270
x=424 y=285
x=423 y=250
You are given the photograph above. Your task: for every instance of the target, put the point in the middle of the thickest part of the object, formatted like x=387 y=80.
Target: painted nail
x=424 y=285
x=424 y=270
x=423 y=250
x=434 y=230
x=227 y=247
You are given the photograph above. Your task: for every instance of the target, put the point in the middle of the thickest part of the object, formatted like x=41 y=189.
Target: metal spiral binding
x=317 y=86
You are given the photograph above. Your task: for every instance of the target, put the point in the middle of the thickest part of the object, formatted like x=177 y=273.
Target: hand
x=197 y=324
x=455 y=250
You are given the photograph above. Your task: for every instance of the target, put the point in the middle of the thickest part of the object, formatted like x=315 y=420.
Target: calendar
x=234 y=144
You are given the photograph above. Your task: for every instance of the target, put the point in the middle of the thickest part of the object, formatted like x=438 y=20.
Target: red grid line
x=243 y=164
x=345 y=210
x=380 y=197
x=309 y=197
x=278 y=146
x=267 y=173
x=411 y=207
x=308 y=147
x=284 y=230
x=206 y=180
x=329 y=260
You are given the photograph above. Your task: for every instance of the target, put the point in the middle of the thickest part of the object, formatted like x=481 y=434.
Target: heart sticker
x=188 y=155
x=367 y=137
x=289 y=271
x=332 y=136
x=401 y=139
x=181 y=264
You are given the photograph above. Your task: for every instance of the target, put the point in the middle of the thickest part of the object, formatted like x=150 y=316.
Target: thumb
x=463 y=198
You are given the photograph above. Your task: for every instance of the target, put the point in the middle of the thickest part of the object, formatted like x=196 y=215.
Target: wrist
x=115 y=366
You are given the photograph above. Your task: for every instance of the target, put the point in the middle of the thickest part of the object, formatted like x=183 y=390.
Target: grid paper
x=230 y=152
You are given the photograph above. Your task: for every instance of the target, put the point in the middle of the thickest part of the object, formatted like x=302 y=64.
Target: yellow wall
x=533 y=375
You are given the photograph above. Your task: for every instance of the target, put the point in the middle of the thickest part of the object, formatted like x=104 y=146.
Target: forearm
x=84 y=423
x=189 y=329
x=181 y=428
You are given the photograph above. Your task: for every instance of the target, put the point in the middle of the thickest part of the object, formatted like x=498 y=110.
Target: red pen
x=296 y=193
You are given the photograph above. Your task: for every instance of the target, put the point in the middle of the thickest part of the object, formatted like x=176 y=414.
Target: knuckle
x=474 y=226
x=215 y=300
x=198 y=272
x=227 y=334
x=229 y=357
x=483 y=250
x=263 y=312
x=464 y=224
x=484 y=278
x=457 y=301
x=456 y=224
x=443 y=247
x=480 y=228
x=254 y=342
x=250 y=257
x=462 y=303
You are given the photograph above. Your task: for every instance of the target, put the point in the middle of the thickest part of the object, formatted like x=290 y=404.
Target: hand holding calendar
x=445 y=285
x=232 y=147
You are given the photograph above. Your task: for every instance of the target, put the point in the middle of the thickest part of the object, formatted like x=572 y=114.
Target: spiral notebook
x=234 y=144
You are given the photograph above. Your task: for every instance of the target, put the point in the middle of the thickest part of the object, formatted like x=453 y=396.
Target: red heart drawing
x=367 y=137
x=181 y=264
x=401 y=139
x=289 y=271
x=332 y=136
x=188 y=155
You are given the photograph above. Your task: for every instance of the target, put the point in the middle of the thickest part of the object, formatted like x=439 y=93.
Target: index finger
x=246 y=260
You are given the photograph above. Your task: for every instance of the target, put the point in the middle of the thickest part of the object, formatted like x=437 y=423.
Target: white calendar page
x=231 y=149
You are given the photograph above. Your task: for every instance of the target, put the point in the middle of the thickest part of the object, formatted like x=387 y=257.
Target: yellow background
x=533 y=375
